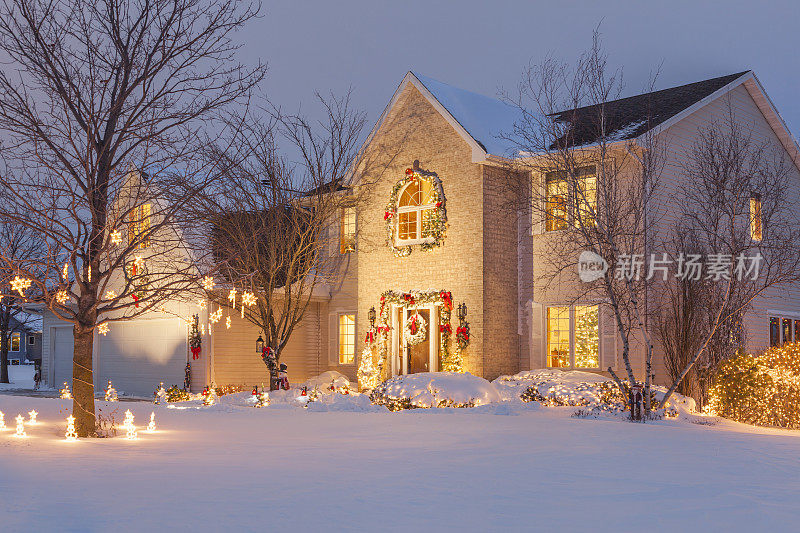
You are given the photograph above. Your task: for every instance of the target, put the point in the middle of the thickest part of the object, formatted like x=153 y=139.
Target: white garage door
x=137 y=355
x=62 y=355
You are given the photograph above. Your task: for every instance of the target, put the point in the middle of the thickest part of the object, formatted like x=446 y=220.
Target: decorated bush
x=434 y=389
x=759 y=389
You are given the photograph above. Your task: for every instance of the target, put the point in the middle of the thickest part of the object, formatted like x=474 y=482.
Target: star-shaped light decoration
x=20 y=285
x=103 y=329
x=116 y=237
x=201 y=302
x=215 y=316
x=228 y=322
x=62 y=296
x=248 y=298
x=110 y=295
x=232 y=297
x=208 y=283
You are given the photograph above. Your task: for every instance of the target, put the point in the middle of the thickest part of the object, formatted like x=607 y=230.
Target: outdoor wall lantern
x=461 y=312
x=371 y=316
x=260 y=345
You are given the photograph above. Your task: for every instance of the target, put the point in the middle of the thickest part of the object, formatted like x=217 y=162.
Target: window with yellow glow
x=557 y=191
x=15 y=342
x=573 y=337
x=139 y=225
x=347 y=339
x=347 y=230
x=756 y=225
x=556 y=204
x=586 y=194
x=415 y=212
x=557 y=336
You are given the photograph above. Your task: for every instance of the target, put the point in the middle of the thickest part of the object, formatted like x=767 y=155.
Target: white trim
x=781 y=314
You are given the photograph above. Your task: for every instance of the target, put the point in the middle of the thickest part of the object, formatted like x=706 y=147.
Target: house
x=25 y=344
x=436 y=245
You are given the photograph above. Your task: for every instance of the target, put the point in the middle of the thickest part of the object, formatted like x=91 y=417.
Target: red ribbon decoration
x=445 y=328
x=196 y=352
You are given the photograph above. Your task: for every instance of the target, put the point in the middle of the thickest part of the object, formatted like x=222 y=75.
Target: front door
x=419 y=355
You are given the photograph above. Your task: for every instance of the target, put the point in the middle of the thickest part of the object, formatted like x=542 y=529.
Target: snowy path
x=248 y=469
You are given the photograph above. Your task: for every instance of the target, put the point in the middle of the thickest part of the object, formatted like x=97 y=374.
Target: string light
x=103 y=329
x=2 y=420
x=216 y=316
x=208 y=283
x=116 y=237
x=111 y=393
x=129 y=427
x=65 y=394
x=232 y=297
x=151 y=427
x=110 y=295
x=139 y=262
x=32 y=416
x=20 y=427
x=228 y=322
x=201 y=303
x=71 y=435
x=89 y=273
x=62 y=296
x=65 y=271
x=202 y=329
x=20 y=285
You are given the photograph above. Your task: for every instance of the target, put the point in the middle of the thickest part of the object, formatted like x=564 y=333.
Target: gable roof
x=628 y=118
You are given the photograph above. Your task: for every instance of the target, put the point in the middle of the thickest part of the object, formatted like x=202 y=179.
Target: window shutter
x=608 y=338
x=537 y=335
x=333 y=338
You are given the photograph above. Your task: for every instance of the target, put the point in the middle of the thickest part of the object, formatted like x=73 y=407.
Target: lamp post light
x=371 y=316
x=260 y=345
x=461 y=312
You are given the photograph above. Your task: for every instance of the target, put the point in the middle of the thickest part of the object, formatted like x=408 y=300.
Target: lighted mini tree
x=128 y=425
x=111 y=393
x=2 y=420
x=32 y=416
x=71 y=435
x=20 y=427
x=151 y=427
x=65 y=394
x=587 y=340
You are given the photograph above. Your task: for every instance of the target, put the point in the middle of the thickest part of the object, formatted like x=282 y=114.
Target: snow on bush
x=324 y=381
x=434 y=389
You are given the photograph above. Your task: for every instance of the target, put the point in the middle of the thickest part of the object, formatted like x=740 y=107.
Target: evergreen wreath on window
x=433 y=225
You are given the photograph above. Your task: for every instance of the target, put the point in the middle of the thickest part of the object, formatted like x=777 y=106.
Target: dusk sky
x=484 y=46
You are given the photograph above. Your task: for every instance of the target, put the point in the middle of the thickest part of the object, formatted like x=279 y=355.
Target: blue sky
x=484 y=46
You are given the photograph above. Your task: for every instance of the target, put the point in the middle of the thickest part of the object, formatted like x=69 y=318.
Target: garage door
x=137 y=355
x=62 y=355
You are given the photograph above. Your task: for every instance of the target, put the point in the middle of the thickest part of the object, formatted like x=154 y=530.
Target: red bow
x=445 y=328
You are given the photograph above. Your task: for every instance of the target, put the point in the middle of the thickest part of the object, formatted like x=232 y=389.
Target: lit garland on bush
x=438 y=214
x=759 y=389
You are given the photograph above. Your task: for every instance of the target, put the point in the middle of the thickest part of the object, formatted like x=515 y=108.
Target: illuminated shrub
x=760 y=389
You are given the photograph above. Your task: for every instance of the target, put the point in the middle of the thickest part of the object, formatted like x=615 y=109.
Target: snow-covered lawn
x=508 y=466
x=20 y=377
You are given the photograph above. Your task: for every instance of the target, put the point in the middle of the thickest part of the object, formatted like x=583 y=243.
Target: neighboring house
x=448 y=234
x=25 y=345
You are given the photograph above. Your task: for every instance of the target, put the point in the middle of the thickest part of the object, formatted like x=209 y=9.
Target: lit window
x=586 y=195
x=556 y=208
x=797 y=331
x=139 y=225
x=587 y=337
x=558 y=336
x=347 y=339
x=756 y=225
x=15 y=342
x=786 y=331
x=347 y=230
x=573 y=337
x=415 y=211
x=774 y=331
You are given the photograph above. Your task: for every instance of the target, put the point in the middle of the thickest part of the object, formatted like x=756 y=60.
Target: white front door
x=423 y=356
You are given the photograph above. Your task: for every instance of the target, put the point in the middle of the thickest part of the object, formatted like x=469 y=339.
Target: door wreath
x=416 y=329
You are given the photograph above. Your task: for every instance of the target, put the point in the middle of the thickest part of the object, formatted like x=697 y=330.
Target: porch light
x=260 y=345
x=461 y=312
x=371 y=316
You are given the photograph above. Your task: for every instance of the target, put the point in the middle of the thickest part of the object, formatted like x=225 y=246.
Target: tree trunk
x=4 y=359
x=83 y=382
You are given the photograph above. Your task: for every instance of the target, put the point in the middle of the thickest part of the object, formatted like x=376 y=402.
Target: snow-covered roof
x=486 y=119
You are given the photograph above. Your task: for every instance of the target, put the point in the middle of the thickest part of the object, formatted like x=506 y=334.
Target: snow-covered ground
x=506 y=466
x=20 y=377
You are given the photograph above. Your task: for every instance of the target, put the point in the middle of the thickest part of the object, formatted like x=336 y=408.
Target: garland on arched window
x=437 y=222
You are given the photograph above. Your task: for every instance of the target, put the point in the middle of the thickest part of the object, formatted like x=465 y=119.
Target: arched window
x=415 y=212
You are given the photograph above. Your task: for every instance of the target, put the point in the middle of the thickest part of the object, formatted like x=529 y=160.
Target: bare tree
x=592 y=182
x=739 y=202
x=19 y=249
x=92 y=91
x=270 y=223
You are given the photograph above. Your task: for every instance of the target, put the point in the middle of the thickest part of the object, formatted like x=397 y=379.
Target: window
x=31 y=340
x=756 y=227
x=347 y=339
x=774 y=331
x=139 y=225
x=415 y=211
x=786 y=331
x=15 y=342
x=573 y=337
x=557 y=192
x=558 y=336
x=783 y=330
x=347 y=230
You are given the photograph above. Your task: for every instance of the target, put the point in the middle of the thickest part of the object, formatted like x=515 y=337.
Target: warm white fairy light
x=116 y=237
x=65 y=271
x=20 y=427
x=111 y=393
x=215 y=316
x=32 y=416
x=65 y=394
x=62 y=296
x=228 y=322
x=202 y=329
x=2 y=420
x=89 y=273
x=232 y=297
x=208 y=283
x=71 y=435
x=129 y=427
x=151 y=427
x=201 y=303
x=110 y=295
x=20 y=285
x=138 y=261
x=103 y=329
x=248 y=298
